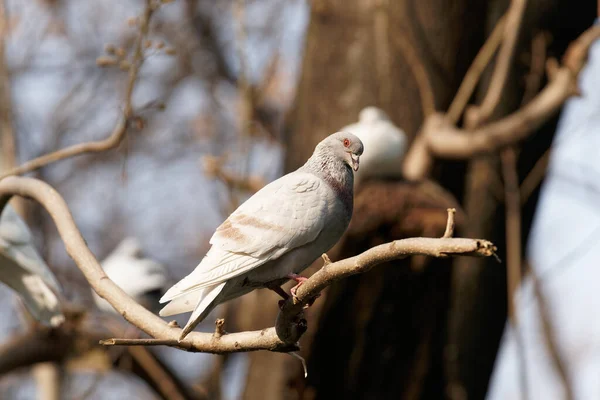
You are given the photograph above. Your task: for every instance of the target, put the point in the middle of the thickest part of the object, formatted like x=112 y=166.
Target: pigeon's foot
x=299 y=280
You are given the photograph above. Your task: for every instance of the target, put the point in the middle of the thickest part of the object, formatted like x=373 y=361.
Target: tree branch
x=118 y=133
x=283 y=338
x=441 y=138
x=512 y=27
x=471 y=79
x=419 y=72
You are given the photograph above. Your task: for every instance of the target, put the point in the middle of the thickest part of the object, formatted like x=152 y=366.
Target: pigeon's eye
x=346 y=142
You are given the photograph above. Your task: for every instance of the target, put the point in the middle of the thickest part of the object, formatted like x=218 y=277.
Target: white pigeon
x=386 y=145
x=141 y=278
x=275 y=234
x=24 y=271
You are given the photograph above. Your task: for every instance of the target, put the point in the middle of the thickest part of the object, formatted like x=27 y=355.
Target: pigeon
x=275 y=234
x=386 y=145
x=141 y=278
x=24 y=271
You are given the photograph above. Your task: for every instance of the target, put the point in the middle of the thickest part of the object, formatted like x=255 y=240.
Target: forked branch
x=289 y=328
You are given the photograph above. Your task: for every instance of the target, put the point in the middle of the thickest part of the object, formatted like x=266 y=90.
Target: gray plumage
x=23 y=270
x=280 y=230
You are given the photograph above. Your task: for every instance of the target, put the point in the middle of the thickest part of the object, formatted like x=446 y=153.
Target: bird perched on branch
x=24 y=271
x=143 y=279
x=386 y=145
x=275 y=234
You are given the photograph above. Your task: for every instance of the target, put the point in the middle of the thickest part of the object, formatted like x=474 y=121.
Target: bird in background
x=275 y=234
x=24 y=271
x=386 y=145
x=143 y=279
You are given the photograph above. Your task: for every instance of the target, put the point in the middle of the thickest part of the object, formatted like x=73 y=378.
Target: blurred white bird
x=275 y=234
x=143 y=279
x=385 y=145
x=23 y=270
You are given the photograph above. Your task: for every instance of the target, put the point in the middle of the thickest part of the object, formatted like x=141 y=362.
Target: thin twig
x=440 y=138
x=487 y=109
x=283 y=338
x=471 y=79
x=550 y=337
x=419 y=72
x=535 y=176
x=219 y=330
x=513 y=252
x=213 y=168
x=118 y=133
x=533 y=80
x=450 y=223
x=156 y=372
x=513 y=226
x=7 y=139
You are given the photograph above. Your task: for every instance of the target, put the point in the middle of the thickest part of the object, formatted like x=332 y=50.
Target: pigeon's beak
x=355 y=161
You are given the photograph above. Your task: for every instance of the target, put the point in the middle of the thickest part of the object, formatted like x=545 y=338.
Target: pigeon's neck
x=336 y=173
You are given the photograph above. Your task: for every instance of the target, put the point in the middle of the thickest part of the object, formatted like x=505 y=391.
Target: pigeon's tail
x=204 y=299
x=204 y=307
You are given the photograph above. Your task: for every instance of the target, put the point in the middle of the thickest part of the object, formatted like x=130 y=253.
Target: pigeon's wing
x=284 y=215
x=16 y=244
x=281 y=217
x=23 y=270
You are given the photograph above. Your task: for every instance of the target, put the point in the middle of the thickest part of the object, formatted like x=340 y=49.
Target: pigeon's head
x=344 y=146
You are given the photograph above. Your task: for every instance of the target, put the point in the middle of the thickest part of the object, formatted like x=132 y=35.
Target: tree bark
x=353 y=58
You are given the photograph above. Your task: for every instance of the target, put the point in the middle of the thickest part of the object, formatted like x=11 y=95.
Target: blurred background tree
x=249 y=88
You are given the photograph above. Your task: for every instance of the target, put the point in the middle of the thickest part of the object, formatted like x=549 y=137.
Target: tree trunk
x=379 y=335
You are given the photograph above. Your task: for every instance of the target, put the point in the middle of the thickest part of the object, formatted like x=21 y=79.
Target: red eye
x=346 y=142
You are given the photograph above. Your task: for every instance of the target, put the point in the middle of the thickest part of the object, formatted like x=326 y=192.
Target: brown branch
x=118 y=133
x=533 y=80
x=213 y=168
x=483 y=113
x=534 y=177
x=513 y=226
x=156 y=372
x=419 y=72
x=266 y=339
x=361 y=263
x=481 y=61
x=440 y=138
x=7 y=139
x=450 y=224
x=550 y=337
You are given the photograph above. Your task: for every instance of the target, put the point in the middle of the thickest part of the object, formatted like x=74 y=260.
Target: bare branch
x=419 y=72
x=534 y=177
x=481 y=61
x=289 y=327
x=483 y=113
x=450 y=224
x=219 y=330
x=7 y=139
x=118 y=133
x=550 y=336
x=513 y=252
x=440 y=138
x=213 y=168
x=398 y=249
x=513 y=226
